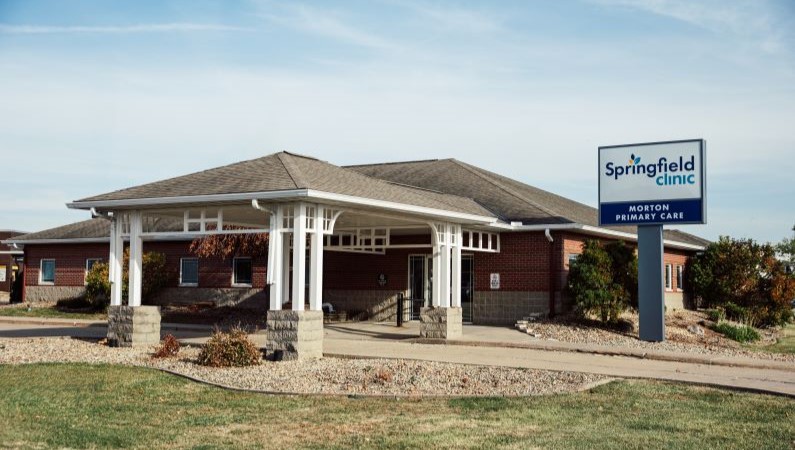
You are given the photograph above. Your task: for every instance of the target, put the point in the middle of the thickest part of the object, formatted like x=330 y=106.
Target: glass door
x=467 y=287
x=417 y=285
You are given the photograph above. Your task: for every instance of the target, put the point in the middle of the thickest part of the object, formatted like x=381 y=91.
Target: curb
x=632 y=353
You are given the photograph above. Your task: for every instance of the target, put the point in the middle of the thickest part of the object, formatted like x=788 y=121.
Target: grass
x=99 y=406
x=49 y=312
x=739 y=333
x=785 y=343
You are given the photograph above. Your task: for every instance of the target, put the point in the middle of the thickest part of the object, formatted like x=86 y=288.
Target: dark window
x=189 y=272
x=241 y=268
x=47 y=273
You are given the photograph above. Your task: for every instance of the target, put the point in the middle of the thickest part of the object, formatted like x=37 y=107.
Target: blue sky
x=100 y=95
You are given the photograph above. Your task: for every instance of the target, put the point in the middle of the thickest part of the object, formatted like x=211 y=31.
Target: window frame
x=668 y=277
x=234 y=271
x=181 y=269
x=680 y=277
x=42 y=282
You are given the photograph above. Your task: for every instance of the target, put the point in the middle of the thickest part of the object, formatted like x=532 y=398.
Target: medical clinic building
x=432 y=233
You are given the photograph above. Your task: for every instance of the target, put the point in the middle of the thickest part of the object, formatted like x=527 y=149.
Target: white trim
x=41 y=271
x=182 y=283
x=284 y=194
x=234 y=272
x=11 y=252
x=598 y=231
x=669 y=283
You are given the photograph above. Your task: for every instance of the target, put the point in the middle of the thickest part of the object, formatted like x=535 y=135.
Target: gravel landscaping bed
x=324 y=376
x=679 y=338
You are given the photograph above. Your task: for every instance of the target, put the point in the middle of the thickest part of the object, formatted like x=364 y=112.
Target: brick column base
x=294 y=334
x=441 y=323
x=133 y=326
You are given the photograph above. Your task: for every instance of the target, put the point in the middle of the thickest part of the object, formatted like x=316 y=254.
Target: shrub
x=169 y=348
x=229 y=349
x=593 y=286
x=155 y=278
x=739 y=333
x=383 y=376
x=73 y=303
x=747 y=275
x=716 y=314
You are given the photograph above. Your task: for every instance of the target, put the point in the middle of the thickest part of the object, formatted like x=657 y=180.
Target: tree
x=228 y=245
x=744 y=273
x=154 y=274
x=624 y=268
x=593 y=284
x=786 y=249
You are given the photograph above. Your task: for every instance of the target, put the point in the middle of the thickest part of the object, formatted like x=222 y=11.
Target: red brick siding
x=523 y=263
x=70 y=263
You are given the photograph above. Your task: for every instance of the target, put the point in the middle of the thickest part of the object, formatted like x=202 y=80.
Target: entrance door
x=420 y=283
x=467 y=287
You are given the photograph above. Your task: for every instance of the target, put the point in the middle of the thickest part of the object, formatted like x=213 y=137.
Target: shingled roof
x=92 y=229
x=508 y=199
x=288 y=172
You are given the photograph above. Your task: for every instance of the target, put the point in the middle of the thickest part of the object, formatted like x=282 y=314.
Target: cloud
x=121 y=29
x=750 y=19
x=454 y=18
x=325 y=23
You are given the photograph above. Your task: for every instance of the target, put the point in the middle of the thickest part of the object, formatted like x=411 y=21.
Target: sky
x=100 y=95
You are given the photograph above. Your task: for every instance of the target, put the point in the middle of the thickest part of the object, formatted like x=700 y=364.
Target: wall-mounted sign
x=494 y=281
x=382 y=279
x=653 y=183
x=2 y=274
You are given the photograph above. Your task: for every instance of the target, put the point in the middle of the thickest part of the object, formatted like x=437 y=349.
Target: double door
x=421 y=285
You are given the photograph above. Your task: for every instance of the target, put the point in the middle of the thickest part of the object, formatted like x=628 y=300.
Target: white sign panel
x=495 y=281
x=654 y=183
x=2 y=274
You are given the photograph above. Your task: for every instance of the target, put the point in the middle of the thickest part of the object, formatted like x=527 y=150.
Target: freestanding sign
x=649 y=185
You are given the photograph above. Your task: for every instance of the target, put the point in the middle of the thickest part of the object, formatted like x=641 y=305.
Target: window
x=47 y=271
x=89 y=264
x=668 y=277
x=189 y=272
x=680 y=280
x=572 y=257
x=241 y=272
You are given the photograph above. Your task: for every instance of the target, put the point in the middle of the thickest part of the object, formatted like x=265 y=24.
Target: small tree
x=624 y=267
x=225 y=246
x=593 y=286
x=155 y=277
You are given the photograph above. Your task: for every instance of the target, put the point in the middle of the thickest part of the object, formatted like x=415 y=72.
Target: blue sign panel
x=653 y=183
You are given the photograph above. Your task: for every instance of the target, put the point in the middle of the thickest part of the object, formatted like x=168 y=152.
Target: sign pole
x=651 y=296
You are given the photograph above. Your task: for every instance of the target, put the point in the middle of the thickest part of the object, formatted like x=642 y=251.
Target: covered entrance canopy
x=300 y=202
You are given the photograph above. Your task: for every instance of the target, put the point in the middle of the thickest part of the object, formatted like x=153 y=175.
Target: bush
x=716 y=314
x=73 y=303
x=748 y=276
x=739 y=333
x=229 y=349
x=155 y=278
x=736 y=313
x=169 y=348
x=594 y=286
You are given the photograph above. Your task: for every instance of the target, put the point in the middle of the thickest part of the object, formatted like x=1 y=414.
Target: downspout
x=552 y=283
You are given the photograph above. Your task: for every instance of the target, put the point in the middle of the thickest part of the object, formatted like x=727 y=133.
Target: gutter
x=598 y=231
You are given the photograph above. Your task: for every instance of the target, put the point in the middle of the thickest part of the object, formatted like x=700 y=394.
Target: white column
x=116 y=260
x=316 y=263
x=436 y=298
x=456 y=268
x=136 y=259
x=286 y=238
x=299 y=257
x=444 y=272
x=275 y=266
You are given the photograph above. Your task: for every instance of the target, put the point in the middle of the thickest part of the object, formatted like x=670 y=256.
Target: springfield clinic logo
x=652 y=183
x=664 y=172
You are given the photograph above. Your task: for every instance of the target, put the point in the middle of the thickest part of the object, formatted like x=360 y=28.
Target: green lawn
x=49 y=312
x=786 y=343
x=100 y=406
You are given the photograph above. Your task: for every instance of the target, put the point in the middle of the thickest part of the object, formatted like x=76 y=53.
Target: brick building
x=511 y=243
x=10 y=262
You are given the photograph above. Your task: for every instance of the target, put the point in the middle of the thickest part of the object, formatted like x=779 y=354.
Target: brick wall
x=70 y=264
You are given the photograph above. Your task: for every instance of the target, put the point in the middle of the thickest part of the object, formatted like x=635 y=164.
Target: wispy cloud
x=117 y=29
x=453 y=18
x=749 y=19
x=323 y=22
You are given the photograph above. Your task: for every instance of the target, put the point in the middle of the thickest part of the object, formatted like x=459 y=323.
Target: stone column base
x=441 y=323
x=133 y=326
x=294 y=334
